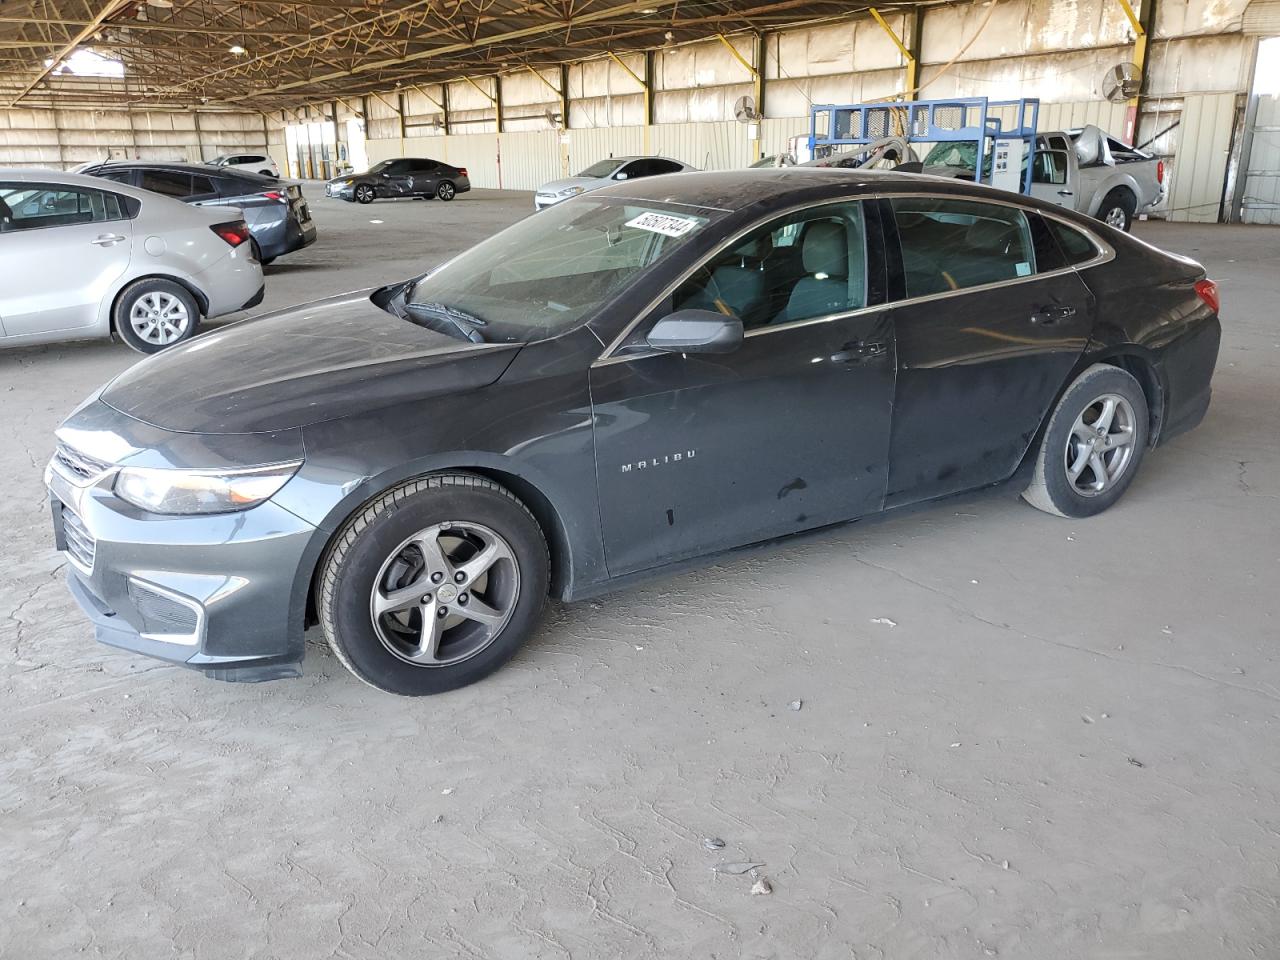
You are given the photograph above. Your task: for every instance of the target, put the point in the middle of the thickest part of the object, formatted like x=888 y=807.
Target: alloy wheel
x=159 y=318
x=445 y=191
x=364 y=194
x=445 y=593
x=1100 y=447
x=1116 y=218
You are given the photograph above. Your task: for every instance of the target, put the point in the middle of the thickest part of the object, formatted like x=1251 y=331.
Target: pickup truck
x=1086 y=170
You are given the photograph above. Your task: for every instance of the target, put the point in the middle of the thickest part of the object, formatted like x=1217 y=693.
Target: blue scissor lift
x=975 y=120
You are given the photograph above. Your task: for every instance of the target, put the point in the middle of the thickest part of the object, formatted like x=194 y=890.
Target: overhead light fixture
x=649 y=10
x=162 y=4
x=238 y=50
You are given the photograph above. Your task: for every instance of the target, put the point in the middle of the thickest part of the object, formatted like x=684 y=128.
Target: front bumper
x=208 y=592
x=543 y=200
x=340 y=191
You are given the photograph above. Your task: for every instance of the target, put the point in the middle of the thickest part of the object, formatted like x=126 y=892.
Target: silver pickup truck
x=1094 y=173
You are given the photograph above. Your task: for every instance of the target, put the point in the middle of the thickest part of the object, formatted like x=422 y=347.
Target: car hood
x=319 y=361
x=590 y=183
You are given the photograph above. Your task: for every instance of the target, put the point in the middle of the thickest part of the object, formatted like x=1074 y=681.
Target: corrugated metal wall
x=1262 y=181
x=1198 y=175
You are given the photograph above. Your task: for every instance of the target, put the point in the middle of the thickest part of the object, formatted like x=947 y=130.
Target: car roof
x=182 y=165
x=769 y=187
x=39 y=175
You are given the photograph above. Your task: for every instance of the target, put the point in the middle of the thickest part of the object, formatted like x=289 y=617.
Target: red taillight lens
x=463 y=171
x=234 y=233
x=274 y=195
x=1159 y=171
x=1207 y=291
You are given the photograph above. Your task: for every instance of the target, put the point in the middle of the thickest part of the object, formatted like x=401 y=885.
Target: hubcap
x=364 y=193
x=446 y=191
x=1100 y=447
x=445 y=593
x=1115 y=217
x=159 y=318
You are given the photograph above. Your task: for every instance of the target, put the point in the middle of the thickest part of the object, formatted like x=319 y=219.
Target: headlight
x=571 y=191
x=201 y=491
x=348 y=182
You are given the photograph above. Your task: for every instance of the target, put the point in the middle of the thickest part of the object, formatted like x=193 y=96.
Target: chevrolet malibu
x=656 y=372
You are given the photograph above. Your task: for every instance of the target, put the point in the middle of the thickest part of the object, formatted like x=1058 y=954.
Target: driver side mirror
x=620 y=175
x=696 y=331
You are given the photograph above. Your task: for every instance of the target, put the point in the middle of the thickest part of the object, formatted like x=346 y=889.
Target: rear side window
x=171 y=183
x=424 y=166
x=955 y=244
x=26 y=206
x=201 y=185
x=1076 y=246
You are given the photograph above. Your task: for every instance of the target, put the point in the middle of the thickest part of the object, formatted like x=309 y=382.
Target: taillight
x=1159 y=171
x=274 y=195
x=1207 y=291
x=235 y=232
x=463 y=171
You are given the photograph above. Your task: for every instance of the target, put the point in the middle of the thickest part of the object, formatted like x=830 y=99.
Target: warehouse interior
x=961 y=730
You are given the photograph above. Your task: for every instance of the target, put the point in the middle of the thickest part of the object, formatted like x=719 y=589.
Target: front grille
x=80 y=543
x=80 y=464
x=161 y=614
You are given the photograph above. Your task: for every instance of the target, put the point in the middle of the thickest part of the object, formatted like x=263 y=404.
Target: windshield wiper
x=465 y=323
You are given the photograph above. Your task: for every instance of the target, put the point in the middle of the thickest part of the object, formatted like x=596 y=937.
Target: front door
x=696 y=453
x=62 y=249
x=990 y=322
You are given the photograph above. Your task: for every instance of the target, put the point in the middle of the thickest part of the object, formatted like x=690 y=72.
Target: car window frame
x=872 y=218
x=124 y=203
x=1106 y=252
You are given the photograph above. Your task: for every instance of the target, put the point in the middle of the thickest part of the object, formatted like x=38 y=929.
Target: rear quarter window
x=1076 y=246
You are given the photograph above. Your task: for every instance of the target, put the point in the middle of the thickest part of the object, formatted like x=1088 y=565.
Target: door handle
x=1048 y=315
x=859 y=351
x=107 y=239
x=1066 y=193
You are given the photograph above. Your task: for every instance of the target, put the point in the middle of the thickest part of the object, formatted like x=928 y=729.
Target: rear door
x=63 y=248
x=424 y=176
x=990 y=320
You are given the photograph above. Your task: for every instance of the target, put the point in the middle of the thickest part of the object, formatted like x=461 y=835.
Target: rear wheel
x=434 y=585
x=1093 y=445
x=153 y=314
x=1118 y=208
x=446 y=190
x=364 y=193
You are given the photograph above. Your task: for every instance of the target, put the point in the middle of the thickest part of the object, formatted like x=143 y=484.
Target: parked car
x=657 y=372
x=602 y=174
x=253 y=162
x=275 y=210
x=401 y=177
x=84 y=258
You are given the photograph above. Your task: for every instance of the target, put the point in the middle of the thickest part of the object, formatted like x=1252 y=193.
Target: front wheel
x=364 y=193
x=1118 y=208
x=446 y=190
x=1093 y=445
x=434 y=585
x=151 y=315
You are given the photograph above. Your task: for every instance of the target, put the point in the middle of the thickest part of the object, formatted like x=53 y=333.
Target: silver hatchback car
x=83 y=258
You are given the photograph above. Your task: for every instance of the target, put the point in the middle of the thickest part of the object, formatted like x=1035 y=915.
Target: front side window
x=1049 y=166
x=547 y=274
x=25 y=206
x=807 y=264
x=955 y=244
x=171 y=183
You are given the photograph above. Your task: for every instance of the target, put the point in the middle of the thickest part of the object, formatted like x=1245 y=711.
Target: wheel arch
x=201 y=300
x=530 y=491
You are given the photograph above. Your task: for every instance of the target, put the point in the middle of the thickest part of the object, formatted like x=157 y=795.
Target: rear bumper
x=1186 y=370
x=284 y=236
x=256 y=298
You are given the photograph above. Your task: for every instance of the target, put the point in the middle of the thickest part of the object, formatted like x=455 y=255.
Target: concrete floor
x=1066 y=747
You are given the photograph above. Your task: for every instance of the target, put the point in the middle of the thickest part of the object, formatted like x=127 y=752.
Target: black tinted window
x=116 y=176
x=172 y=183
x=953 y=244
x=1076 y=247
x=424 y=166
x=398 y=166
x=201 y=185
x=1049 y=166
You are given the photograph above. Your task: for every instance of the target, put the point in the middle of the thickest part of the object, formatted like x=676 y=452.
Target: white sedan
x=84 y=258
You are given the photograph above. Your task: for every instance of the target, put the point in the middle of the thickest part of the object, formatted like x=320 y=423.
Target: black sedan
x=655 y=372
x=277 y=214
x=403 y=177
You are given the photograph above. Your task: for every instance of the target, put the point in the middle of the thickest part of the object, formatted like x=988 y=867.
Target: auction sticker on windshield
x=663 y=223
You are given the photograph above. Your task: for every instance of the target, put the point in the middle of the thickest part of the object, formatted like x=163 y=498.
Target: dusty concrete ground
x=1065 y=748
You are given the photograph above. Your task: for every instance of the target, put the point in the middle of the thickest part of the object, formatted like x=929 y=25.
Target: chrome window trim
x=1105 y=254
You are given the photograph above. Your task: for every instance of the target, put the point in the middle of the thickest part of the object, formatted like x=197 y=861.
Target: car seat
x=825 y=286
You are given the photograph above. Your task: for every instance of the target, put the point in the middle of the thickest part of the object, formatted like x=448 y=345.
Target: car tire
x=1093 y=445
x=364 y=193
x=446 y=190
x=1118 y=208
x=154 y=314
x=381 y=583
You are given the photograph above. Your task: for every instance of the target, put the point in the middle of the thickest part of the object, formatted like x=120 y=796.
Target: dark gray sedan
x=277 y=214
x=646 y=375
x=402 y=177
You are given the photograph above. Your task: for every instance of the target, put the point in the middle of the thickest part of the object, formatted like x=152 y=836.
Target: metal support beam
x=909 y=58
x=757 y=80
x=195 y=117
x=564 y=96
x=645 y=85
x=444 y=104
x=1142 y=24
x=108 y=8
x=404 y=128
x=497 y=103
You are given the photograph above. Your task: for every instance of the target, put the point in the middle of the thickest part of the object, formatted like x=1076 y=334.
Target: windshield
x=548 y=273
x=601 y=169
